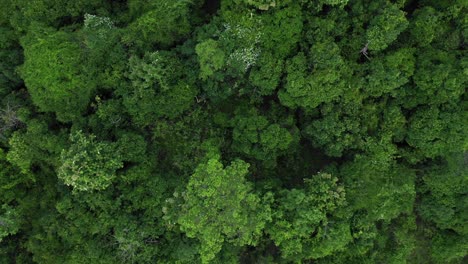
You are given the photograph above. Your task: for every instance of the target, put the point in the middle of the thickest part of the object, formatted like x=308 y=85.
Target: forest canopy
x=233 y=131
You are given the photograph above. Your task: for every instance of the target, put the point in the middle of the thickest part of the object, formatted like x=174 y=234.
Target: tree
x=309 y=88
x=443 y=193
x=437 y=78
x=219 y=206
x=51 y=13
x=10 y=58
x=385 y=27
x=211 y=58
x=104 y=54
x=342 y=126
x=165 y=23
x=448 y=248
x=53 y=73
x=303 y=225
x=9 y=221
x=282 y=29
x=377 y=184
x=88 y=165
x=268 y=76
x=35 y=146
x=254 y=136
x=158 y=88
x=424 y=27
x=227 y=49
x=434 y=131
x=233 y=131
x=393 y=72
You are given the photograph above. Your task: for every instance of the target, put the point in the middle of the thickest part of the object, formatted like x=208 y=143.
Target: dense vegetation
x=233 y=131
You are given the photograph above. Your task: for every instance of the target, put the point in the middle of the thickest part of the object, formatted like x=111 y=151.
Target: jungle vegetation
x=233 y=131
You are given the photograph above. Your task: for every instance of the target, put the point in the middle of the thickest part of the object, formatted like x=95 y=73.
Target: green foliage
x=438 y=77
x=262 y=4
x=53 y=73
x=391 y=73
x=227 y=50
x=88 y=165
x=335 y=2
x=425 y=25
x=445 y=202
x=157 y=88
x=219 y=206
x=9 y=221
x=302 y=227
x=309 y=88
x=186 y=148
x=342 y=127
x=254 y=136
x=50 y=12
x=12 y=181
x=131 y=146
x=436 y=132
x=10 y=58
x=384 y=28
x=35 y=146
x=163 y=24
x=158 y=131
x=268 y=76
x=282 y=31
x=211 y=58
x=449 y=248
x=384 y=190
x=105 y=55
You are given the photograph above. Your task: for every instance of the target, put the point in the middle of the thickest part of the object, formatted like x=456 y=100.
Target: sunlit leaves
x=221 y=207
x=53 y=73
x=211 y=58
x=88 y=165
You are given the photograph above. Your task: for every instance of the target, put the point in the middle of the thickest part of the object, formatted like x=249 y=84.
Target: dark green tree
x=303 y=225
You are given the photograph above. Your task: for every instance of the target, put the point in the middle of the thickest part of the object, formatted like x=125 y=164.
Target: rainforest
x=233 y=131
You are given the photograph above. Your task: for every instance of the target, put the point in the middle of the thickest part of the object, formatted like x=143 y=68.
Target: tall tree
x=219 y=206
x=53 y=73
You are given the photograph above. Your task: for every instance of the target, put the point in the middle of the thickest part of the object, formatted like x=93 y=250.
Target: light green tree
x=53 y=73
x=219 y=206
x=89 y=165
x=210 y=57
